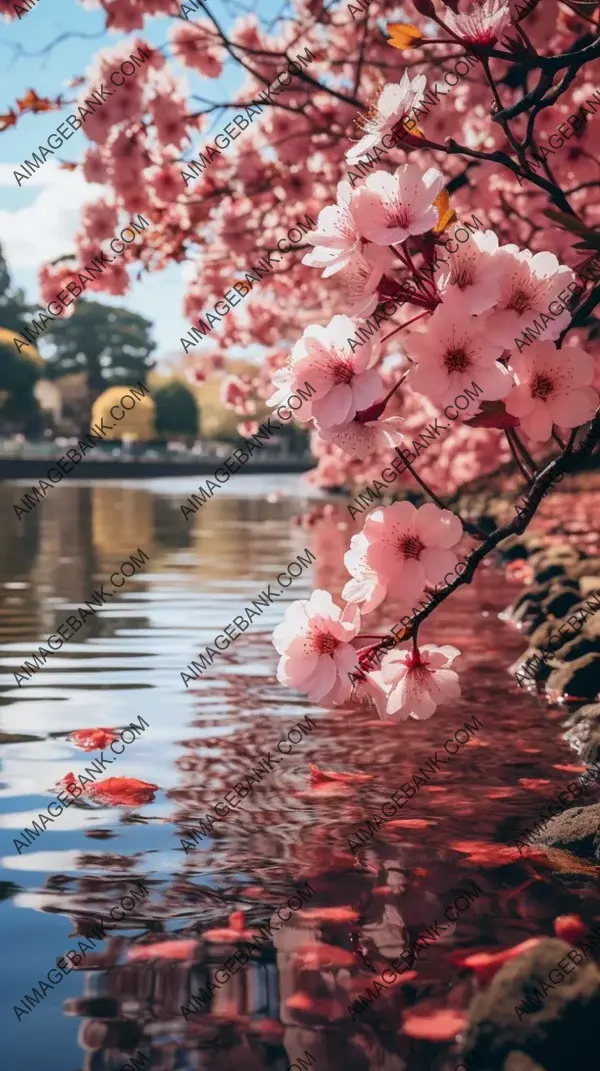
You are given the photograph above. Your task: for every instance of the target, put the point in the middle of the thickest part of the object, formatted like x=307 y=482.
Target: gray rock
x=585 y=567
x=561 y=1035
x=575 y=830
x=540 y=601
x=583 y=732
x=562 y=596
x=579 y=679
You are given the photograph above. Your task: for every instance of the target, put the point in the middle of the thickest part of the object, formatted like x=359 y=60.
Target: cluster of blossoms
x=317 y=655
x=464 y=314
x=401 y=549
x=475 y=308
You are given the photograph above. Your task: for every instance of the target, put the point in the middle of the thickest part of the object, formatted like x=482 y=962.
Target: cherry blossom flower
x=314 y=642
x=420 y=680
x=234 y=394
x=365 y=586
x=370 y=690
x=197 y=46
x=359 y=280
x=359 y=438
x=530 y=284
x=483 y=24
x=343 y=382
x=392 y=106
x=409 y=547
x=336 y=238
x=473 y=273
x=387 y=208
x=552 y=388
x=453 y=351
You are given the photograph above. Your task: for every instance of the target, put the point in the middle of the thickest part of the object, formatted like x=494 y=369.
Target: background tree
x=176 y=411
x=19 y=409
x=112 y=345
x=13 y=307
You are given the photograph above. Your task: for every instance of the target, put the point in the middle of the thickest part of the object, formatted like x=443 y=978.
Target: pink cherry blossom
x=360 y=438
x=387 y=208
x=453 y=351
x=365 y=586
x=358 y=282
x=409 y=547
x=552 y=388
x=419 y=680
x=370 y=690
x=197 y=45
x=343 y=382
x=484 y=22
x=530 y=284
x=473 y=273
x=393 y=104
x=235 y=394
x=314 y=642
x=336 y=238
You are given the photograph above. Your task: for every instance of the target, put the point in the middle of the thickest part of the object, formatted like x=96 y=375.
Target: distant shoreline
x=36 y=468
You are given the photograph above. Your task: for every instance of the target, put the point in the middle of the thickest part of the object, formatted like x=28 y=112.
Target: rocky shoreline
x=536 y=1004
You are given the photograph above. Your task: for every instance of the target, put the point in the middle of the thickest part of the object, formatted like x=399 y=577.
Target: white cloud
x=44 y=228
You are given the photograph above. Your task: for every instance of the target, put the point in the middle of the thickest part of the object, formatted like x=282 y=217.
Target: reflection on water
x=292 y=997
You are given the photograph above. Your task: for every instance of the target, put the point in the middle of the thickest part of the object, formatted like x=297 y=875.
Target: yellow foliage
x=137 y=423
x=7 y=338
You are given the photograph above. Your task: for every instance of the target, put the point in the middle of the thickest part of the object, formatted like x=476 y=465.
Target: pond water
x=125 y=662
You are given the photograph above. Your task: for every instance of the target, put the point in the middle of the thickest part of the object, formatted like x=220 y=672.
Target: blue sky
x=38 y=219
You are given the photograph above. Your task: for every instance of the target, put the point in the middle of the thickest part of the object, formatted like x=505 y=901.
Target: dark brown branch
x=569 y=461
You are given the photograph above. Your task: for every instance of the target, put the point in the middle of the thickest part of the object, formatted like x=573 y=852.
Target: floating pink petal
x=318 y=776
x=409 y=823
x=236 y=931
x=92 y=739
x=180 y=950
x=486 y=964
x=441 y=1025
x=321 y=955
x=322 y=1007
x=123 y=791
x=329 y=914
x=570 y=928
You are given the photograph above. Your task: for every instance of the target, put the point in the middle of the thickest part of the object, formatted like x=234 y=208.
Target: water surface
x=125 y=663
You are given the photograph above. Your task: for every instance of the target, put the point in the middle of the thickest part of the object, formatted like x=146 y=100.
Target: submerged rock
x=562 y=596
x=541 y=601
x=560 y=1034
x=519 y=546
x=583 y=732
x=579 y=679
x=575 y=830
x=585 y=567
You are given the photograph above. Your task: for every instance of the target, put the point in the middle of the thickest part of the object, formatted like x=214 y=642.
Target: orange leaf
x=32 y=103
x=403 y=35
x=7 y=120
x=447 y=215
x=68 y=167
